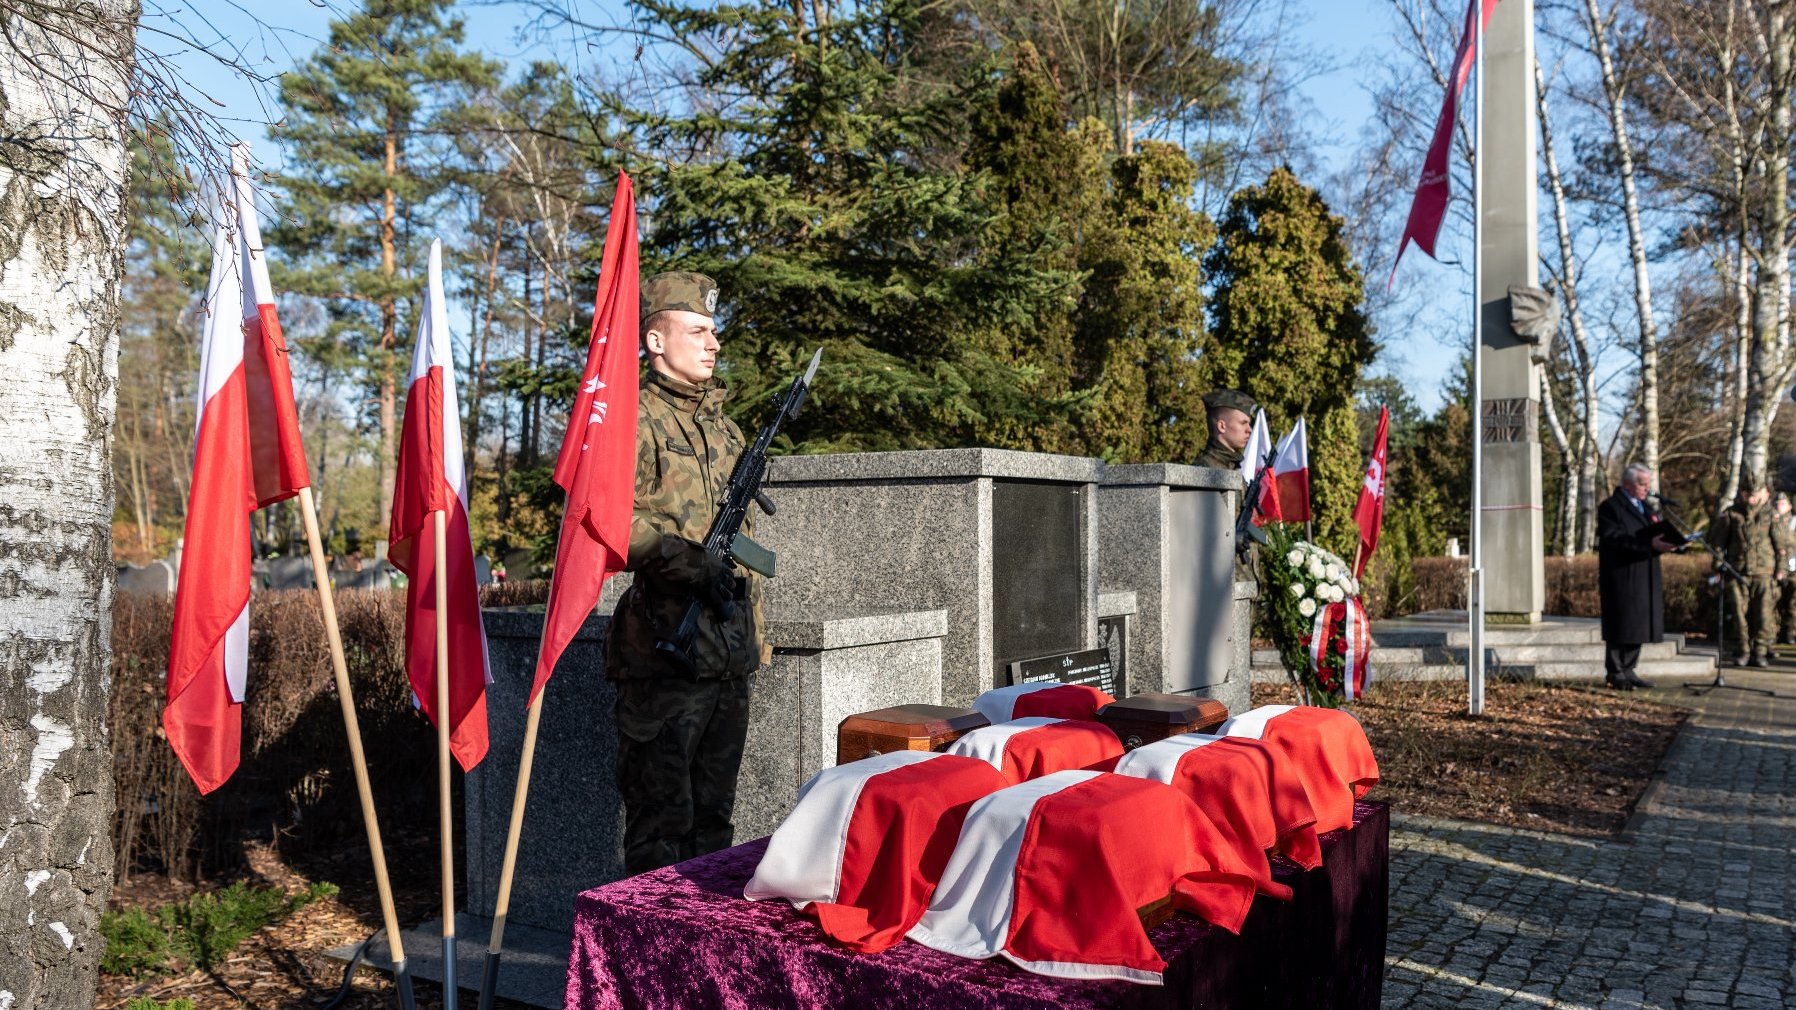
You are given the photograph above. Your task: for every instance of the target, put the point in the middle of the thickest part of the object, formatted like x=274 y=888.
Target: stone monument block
x=1005 y=542
x=1167 y=533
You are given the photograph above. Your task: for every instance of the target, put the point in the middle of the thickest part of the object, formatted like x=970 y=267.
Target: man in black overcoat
x=1628 y=578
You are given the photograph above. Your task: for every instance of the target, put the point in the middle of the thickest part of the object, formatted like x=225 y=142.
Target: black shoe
x=1638 y=682
x=1739 y=659
x=1760 y=661
x=1617 y=683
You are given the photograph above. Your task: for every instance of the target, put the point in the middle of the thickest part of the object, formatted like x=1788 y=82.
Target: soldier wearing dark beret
x=1229 y=416
x=680 y=733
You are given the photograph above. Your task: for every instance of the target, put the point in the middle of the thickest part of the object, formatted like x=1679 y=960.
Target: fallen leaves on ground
x=1550 y=756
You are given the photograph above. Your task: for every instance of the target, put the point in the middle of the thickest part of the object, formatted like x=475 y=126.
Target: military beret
x=1231 y=398
x=680 y=290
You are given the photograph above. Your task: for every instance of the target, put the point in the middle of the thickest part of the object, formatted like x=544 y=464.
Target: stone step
x=1692 y=666
x=1507 y=655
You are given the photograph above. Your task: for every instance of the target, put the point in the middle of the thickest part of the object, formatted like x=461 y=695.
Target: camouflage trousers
x=679 y=745
x=1752 y=614
x=1786 y=610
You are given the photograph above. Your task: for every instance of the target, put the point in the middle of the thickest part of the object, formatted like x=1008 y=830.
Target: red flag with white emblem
x=432 y=477
x=597 y=465
x=246 y=455
x=1369 y=511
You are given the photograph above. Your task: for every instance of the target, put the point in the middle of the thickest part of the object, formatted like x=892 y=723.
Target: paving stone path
x=1693 y=906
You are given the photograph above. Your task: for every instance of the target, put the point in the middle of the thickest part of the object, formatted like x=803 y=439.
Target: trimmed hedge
x=294 y=783
x=1440 y=584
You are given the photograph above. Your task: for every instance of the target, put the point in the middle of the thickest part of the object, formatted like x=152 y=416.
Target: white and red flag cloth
x=1259 y=444
x=1050 y=875
x=1246 y=788
x=1344 y=629
x=597 y=464
x=1327 y=749
x=866 y=843
x=431 y=477
x=1368 y=512
x=1059 y=701
x=1028 y=748
x=1429 y=207
x=1285 y=495
x=247 y=454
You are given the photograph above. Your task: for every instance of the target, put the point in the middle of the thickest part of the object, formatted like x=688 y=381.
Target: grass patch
x=146 y=1003
x=196 y=933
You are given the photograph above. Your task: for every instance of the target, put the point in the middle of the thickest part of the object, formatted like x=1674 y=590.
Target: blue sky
x=1346 y=34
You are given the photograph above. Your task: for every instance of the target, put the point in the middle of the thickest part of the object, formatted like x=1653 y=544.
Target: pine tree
x=368 y=122
x=1288 y=327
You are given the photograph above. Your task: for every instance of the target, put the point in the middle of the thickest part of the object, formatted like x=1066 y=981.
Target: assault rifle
x=1246 y=530
x=725 y=540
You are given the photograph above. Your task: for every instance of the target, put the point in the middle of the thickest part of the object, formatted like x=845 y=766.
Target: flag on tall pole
x=246 y=455
x=1429 y=207
x=597 y=469
x=597 y=464
x=431 y=477
x=1368 y=512
x=1285 y=495
x=1259 y=443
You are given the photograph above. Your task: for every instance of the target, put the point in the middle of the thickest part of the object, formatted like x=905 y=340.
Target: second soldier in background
x=681 y=733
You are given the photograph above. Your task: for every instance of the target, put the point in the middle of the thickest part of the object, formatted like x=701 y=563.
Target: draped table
x=683 y=937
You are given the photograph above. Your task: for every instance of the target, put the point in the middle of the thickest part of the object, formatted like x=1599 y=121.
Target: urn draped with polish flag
x=1285 y=495
x=247 y=455
x=431 y=478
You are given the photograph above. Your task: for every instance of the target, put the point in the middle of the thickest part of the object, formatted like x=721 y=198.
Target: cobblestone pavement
x=1693 y=906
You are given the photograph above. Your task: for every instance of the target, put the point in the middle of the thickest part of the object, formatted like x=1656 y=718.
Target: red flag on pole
x=1368 y=513
x=1429 y=206
x=1285 y=494
x=246 y=454
x=431 y=477
x=597 y=465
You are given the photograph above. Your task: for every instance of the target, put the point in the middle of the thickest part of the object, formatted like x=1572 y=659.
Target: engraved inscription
x=1515 y=420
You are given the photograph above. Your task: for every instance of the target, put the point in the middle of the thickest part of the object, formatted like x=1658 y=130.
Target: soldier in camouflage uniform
x=680 y=732
x=1786 y=607
x=1229 y=414
x=1749 y=538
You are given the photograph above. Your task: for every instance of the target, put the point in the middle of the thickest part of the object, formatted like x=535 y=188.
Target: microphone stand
x=1724 y=572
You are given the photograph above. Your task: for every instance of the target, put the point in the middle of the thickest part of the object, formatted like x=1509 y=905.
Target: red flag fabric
x=1429 y=207
x=1285 y=495
x=431 y=478
x=597 y=464
x=1368 y=513
x=247 y=453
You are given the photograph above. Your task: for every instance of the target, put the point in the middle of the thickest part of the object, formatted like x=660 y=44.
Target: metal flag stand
x=1475 y=583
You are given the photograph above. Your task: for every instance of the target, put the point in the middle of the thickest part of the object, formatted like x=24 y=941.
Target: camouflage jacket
x=1218 y=456
x=685 y=449
x=1751 y=539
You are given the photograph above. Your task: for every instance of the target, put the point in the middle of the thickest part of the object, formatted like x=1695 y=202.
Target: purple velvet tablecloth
x=683 y=938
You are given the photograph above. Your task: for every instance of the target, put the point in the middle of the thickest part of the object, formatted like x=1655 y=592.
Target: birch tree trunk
x=1769 y=363
x=1643 y=292
x=63 y=86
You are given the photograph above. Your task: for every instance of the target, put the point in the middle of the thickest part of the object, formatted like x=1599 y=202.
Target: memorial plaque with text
x=1090 y=667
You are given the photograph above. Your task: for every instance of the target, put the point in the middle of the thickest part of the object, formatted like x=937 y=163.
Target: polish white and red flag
x=1050 y=874
x=866 y=843
x=597 y=464
x=1259 y=444
x=431 y=477
x=1044 y=698
x=1285 y=494
x=1327 y=748
x=1033 y=746
x=247 y=454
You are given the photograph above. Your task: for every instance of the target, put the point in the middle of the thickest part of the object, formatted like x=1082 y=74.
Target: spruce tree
x=368 y=124
x=1288 y=327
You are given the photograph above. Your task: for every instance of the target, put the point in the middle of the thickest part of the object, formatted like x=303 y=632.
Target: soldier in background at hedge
x=1752 y=540
x=1786 y=609
x=1229 y=415
x=1629 y=582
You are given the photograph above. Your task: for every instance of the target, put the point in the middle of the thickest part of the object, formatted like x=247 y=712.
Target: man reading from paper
x=680 y=733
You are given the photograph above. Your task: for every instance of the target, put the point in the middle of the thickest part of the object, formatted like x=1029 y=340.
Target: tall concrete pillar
x=1514 y=544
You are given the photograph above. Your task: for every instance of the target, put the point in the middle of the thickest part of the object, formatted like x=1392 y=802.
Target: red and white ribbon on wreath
x=1346 y=621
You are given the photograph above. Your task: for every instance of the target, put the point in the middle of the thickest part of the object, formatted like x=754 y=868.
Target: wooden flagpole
x=489 y=974
x=346 y=699
x=446 y=817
